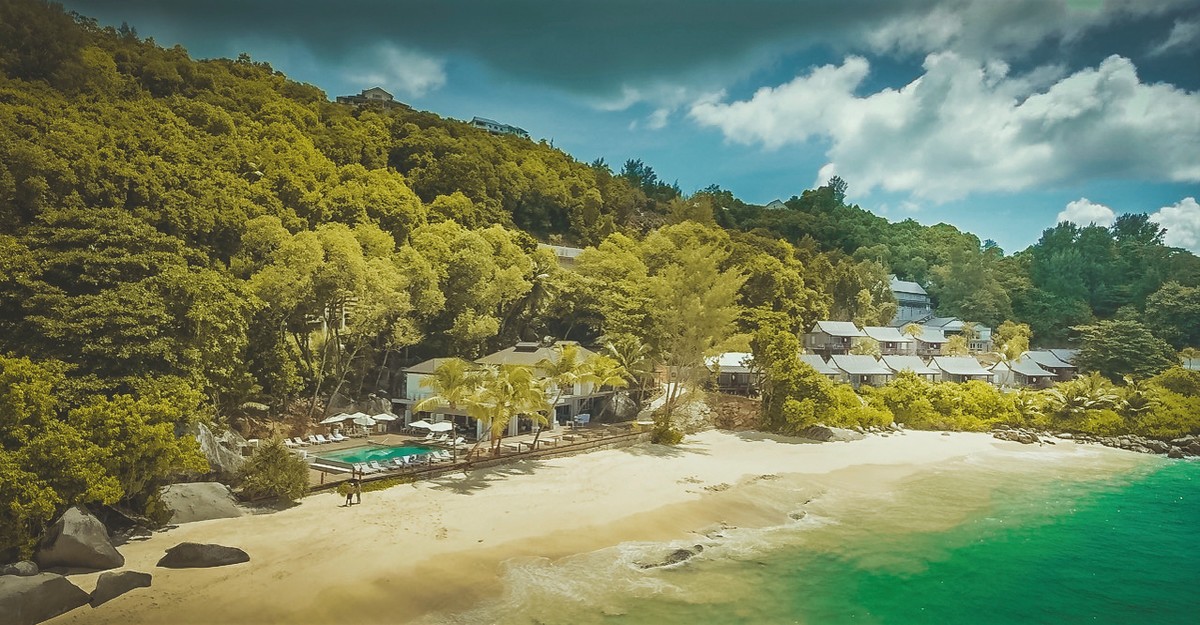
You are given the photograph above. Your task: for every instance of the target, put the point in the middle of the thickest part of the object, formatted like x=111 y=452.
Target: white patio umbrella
x=337 y=418
x=364 y=420
x=383 y=416
x=441 y=426
x=420 y=424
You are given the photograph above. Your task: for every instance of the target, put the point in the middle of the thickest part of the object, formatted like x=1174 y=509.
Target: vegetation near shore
x=182 y=239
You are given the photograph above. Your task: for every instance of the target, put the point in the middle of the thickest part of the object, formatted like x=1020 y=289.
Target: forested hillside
x=174 y=234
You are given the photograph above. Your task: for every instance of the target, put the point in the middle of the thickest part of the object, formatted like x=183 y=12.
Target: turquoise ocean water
x=1100 y=538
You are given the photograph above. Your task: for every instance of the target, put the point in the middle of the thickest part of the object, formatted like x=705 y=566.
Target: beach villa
x=930 y=342
x=832 y=337
x=733 y=374
x=911 y=363
x=861 y=370
x=891 y=341
x=1063 y=371
x=1021 y=373
x=960 y=369
x=824 y=368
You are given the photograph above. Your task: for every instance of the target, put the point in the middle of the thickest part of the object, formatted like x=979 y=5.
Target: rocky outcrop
x=78 y=540
x=36 y=598
x=199 y=501
x=197 y=555
x=1177 y=448
x=826 y=434
x=675 y=557
x=224 y=451
x=1017 y=435
x=25 y=568
x=114 y=584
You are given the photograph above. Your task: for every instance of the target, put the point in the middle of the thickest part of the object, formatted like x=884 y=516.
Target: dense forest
x=180 y=239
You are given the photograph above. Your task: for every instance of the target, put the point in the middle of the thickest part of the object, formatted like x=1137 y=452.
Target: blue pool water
x=380 y=453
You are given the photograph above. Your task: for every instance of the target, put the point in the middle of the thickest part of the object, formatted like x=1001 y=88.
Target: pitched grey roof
x=951 y=324
x=1047 y=359
x=904 y=286
x=838 y=328
x=908 y=363
x=859 y=365
x=1065 y=355
x=887 y=335
x=816 y=362
x=529 y=354
x=931 y=335
x=1028 y=367
x=959 y=365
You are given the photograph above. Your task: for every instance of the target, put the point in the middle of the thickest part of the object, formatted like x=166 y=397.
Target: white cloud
x=1184 y=35
x=965 y=126
x=406 y=71
x=1182 y=221
x=1084 y=212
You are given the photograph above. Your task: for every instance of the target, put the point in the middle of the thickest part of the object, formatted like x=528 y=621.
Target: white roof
x=731 y=362
x=816 y=362
x=959 y=365
x=838 y=328
x=886 y=334
x=908 y=363
x=931 y=335
x=856 y=364
x=1028 y=367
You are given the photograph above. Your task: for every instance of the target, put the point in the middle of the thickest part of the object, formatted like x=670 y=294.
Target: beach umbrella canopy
x=441 y=426
x=383 y=416
x=420 y=424
x=337 y=418
x=364 y=420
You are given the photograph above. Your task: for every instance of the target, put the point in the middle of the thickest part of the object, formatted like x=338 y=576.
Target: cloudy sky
x=1000 y=117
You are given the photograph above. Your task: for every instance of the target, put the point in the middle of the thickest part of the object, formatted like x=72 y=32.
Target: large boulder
x=33 y=599
x=197 y=555
x=199 y=501
x=224 y=452
x=24 y=568
x=825 y=434
x=78 y=540
x=112 y=584
x=621 y=406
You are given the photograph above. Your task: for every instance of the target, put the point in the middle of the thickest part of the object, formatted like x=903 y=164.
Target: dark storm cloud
x=599 y=47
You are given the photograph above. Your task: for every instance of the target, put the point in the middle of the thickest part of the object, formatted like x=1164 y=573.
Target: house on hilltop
x=496 y=128
x=914 y=303
x=375 y=96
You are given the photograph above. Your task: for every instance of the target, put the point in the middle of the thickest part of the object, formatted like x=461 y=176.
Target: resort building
x=891 y=341
x=1063 y=371
x=822 y=367
x=859 y=370
x=960 y=369
x=930 y=342
x=566 y=255
x=417 y=389
x=914 y=302
x=1020 y=373
x=953 y=326
x=375 y=96
x=497 y=128
x=832 y=337
x=910 y=363
x=579 y=399
x=733 y=373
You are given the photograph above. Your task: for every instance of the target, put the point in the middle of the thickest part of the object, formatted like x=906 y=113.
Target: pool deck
x=565 y=441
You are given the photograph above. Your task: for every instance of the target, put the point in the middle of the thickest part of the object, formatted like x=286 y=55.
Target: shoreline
x=440 y=546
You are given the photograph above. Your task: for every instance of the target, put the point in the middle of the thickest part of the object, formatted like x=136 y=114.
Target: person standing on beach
x=350 y=490
x=358 y=489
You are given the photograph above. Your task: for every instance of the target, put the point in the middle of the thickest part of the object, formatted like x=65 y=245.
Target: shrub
x=274 y=471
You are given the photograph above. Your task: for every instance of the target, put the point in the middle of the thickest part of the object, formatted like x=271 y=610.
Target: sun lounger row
x=315 y=439
x=406 y=462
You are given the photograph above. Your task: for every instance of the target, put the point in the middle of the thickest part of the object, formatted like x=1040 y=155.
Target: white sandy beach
x=438 y=546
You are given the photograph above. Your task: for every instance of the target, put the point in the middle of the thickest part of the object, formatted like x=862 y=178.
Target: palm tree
x=507 y=392
x=605 y=371
x=454 y=384
x=1140 y=398
x=564 y=371
x=634 y=357
x=1074 y=399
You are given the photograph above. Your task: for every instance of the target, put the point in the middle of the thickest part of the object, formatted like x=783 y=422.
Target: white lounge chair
x=300 y=441
x=398 y=463
x=374 y=464
x=290 y=443
x=429 y=436
x=322 y=440
x=364 y=469
x=337 y=438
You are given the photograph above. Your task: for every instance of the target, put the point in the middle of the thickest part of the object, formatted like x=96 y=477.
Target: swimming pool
x=380 y=453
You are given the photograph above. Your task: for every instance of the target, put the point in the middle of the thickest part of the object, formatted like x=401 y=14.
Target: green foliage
x=1122 y=347
x=972 y=406
x=274 y=471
